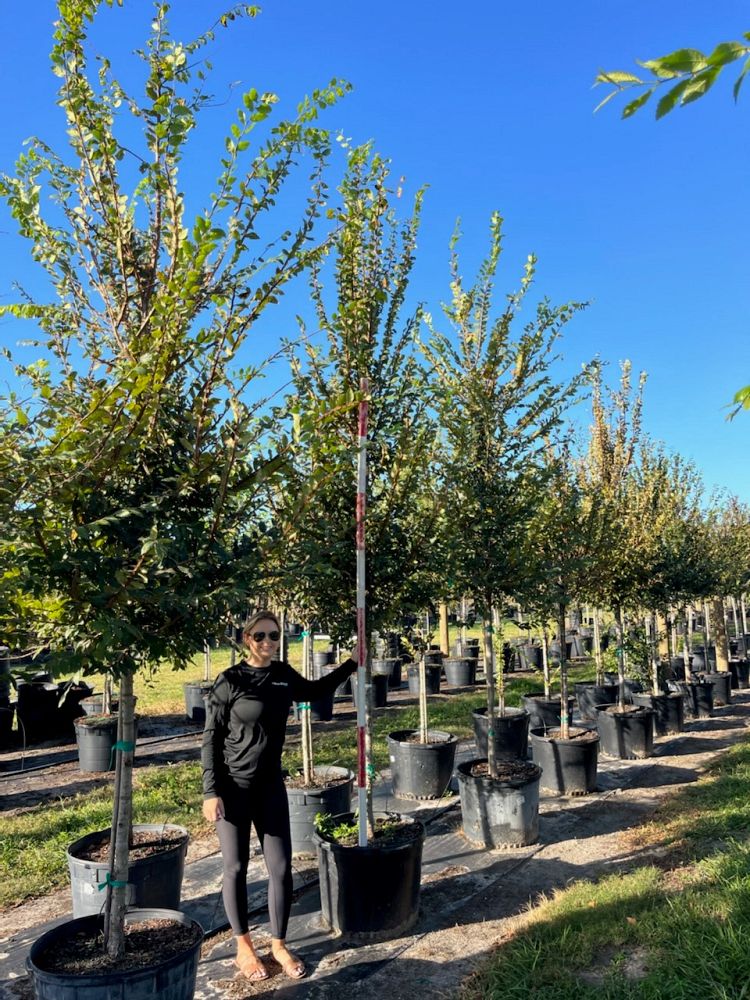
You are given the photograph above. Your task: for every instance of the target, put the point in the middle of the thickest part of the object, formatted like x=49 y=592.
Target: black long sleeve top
x=246 y=716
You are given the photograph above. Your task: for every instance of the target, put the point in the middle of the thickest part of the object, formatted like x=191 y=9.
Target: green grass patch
x=653 y=933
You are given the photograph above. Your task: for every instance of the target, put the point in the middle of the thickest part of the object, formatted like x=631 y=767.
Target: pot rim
x=131 y=916
x=330 y=845
x=449 y=738
x=463 y=771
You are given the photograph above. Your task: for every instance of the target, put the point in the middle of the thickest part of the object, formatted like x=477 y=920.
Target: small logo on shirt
x=279 y=684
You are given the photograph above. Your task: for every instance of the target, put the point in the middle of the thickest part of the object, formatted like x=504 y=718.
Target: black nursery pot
x=421 y=770
x=172 y=979
x=390 y=667
x=306 y=803
x=379 y=690
x=460 y=671
x=38 y=716
x=697 y=696
x=742 y=667
x=432 y=678
x=500 y=813
x=626 y=735
x=722 y=682
x=589 y=696
x=370 y=893
x=195 y=703
x=6 y=726
x=511 y=732
x=155 y=880
x=569 y=767
x=544 y=713
x=669 y=711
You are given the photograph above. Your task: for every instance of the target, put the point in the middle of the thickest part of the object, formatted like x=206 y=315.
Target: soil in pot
x=155 y=872
x=330 y=793
x=501 y=811
x=626 y=734
x=160 y=960
x=511 y=732
x=569 y=766
x=421 y=770
x=370 y=893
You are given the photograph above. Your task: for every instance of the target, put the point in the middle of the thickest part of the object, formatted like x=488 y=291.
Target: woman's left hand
x=354 y=655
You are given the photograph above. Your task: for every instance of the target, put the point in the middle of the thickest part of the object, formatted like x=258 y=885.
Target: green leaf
x=617 y=77
x=630 y=109
x=700 y=85
x=670 y=99
x=727 y=52
x=677 y=63
x=740 y=78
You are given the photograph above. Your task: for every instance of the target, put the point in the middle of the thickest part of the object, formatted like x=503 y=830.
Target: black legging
x=264 y=805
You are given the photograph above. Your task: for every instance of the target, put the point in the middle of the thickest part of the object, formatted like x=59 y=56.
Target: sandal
x=252 y=968
x=294 y=968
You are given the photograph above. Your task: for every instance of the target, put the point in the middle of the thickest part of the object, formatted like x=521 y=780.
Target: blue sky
x=490 y=105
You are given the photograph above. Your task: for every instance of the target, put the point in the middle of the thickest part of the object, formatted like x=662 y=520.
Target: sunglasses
x=260 y=636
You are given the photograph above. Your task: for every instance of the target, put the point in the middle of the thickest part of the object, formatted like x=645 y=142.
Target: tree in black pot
x=369 y=342
x=138 y=448
x=498 y=400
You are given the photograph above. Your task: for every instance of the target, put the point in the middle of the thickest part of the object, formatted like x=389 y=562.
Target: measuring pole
x=361 y=631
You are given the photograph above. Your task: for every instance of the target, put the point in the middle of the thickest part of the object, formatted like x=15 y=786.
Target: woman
x=246 y=714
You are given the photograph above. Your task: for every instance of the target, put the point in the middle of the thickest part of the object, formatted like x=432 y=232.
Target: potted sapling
x=141 y=471
x=571 y=534
x=422 y=760
x=497 y=401
x=370 y=863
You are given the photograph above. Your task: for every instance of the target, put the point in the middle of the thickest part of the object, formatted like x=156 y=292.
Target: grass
x=673 y=932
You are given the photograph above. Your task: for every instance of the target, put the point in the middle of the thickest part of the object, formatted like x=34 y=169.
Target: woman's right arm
x=212 y=750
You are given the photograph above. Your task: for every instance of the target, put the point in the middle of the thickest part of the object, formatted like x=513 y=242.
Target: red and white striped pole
x=361 y=631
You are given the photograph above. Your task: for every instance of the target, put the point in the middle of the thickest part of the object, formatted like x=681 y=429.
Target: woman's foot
x=248 y=963
x=291 y=965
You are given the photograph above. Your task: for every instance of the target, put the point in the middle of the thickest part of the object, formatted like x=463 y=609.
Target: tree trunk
x=123 y=810
x=304 y=707
x=545 y=663
x=206 y=661
x=445 y=642
x=422 y=701
x=654 y=651
x=688 y=643
x=662 y=638
x=489 y=673
x=284 y=646
x=722 y=645
x=735 y=620
x=620 y=658
x=743 y=612
x=598 y=648
x=498 y=647
x=564 y=716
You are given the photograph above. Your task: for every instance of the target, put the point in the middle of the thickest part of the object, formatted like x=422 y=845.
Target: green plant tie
x=490 y=734
x=370 y=770
x=304 y=633
x=489 y=629
x=303 y=706
x=123 y=746
x=111 y=881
